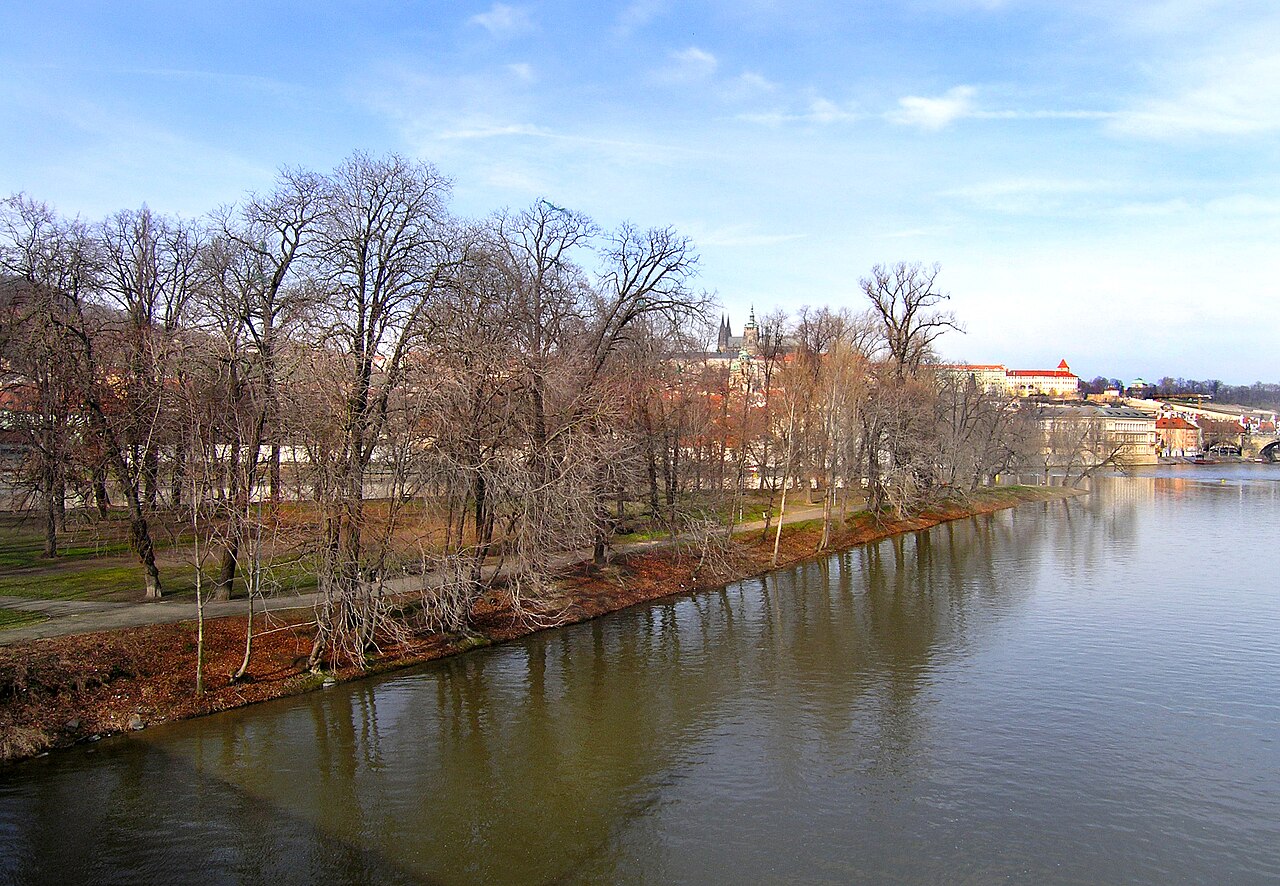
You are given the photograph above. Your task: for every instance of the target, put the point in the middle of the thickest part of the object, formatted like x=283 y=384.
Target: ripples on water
x=1075 y=692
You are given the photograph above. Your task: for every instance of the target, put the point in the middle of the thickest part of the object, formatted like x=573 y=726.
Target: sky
x=1097 y=185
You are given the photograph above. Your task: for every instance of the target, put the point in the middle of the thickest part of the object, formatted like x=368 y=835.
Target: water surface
x=1070 y=692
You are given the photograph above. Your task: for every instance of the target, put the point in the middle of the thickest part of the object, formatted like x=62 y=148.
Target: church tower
x=722 y=339
x=750 y=334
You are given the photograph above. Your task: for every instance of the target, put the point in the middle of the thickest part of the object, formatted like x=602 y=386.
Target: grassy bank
x=56 y=692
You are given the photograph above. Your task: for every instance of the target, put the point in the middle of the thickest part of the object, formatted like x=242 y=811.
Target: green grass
x=19 y=618
x=113 y=581
x=804 y=525
x=22 y=540
x=92 y=581
x=95 y=562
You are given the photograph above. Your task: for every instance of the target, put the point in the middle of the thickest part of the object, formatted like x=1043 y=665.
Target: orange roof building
x=1059 y=383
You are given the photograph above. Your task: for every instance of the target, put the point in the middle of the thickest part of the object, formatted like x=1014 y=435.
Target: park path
x=66 y=617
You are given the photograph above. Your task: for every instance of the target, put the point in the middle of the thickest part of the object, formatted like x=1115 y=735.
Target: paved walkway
x=82 y=617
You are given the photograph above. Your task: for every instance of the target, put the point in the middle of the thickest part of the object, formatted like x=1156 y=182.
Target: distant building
x=990 y=377
x=1178 y=436
x=1132 y=433
x=1060 y=383
x=1139 y=389
x=1090 y=434
x=747 y=344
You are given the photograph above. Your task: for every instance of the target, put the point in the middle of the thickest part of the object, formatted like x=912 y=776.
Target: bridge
x=1271 y=452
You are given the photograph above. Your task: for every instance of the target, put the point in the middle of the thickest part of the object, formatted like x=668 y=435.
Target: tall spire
x=751 y=335
x=722 y=337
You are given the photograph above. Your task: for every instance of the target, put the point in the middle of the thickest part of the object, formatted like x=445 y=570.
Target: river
x=1084 y=691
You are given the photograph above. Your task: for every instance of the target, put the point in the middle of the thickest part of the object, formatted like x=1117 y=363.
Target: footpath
x=66 y=617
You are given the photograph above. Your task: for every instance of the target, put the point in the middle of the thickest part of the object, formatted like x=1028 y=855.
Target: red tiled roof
x=1041 y=373
x=1174 y=423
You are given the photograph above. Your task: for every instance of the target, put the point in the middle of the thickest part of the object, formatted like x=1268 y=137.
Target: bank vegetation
x=341 y=384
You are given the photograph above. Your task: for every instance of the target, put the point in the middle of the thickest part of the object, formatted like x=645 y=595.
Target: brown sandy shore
x=59 y=691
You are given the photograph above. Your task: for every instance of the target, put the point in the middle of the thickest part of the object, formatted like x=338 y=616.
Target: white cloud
x=503 y=21
x=1153 y=208
x=522 y=70
x=1037 y=196
x=1020 y=186
x=749 y=81
x=690 y=64
x=494 y=131
x=1231 y=88
x=819 y=111
x=822 y=110
x=638 y=14
x=1244 y=205
x=934 y=113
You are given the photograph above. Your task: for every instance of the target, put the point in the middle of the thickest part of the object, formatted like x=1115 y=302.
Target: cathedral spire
x=722 y=338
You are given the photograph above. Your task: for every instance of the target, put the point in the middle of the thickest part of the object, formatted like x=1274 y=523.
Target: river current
x=1085 y=691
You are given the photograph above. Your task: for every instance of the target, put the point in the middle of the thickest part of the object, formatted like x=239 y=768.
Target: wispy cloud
x=504 y=130
x=1153 y=208
x=1020 y=186
x=476 y=131
x=1232 y=94
x=1037 y=196
x=523 y=71
x=750 y=84
x=1244 y=205
x=934 y=113
x=638 y=14
x=503 y=21
x=928 y=113
x=686 y=66
x=820 y=111
x=1214 y=70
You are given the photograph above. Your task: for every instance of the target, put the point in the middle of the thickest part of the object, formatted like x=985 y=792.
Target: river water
x=1073 y=692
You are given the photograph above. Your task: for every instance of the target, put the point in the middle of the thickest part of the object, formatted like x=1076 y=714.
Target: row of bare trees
x=338 y=340
x=410 y=402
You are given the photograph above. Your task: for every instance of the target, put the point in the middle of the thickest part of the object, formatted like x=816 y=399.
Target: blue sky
x=1098 y=185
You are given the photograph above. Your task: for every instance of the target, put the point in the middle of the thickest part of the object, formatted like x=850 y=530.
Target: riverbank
x=57 y=692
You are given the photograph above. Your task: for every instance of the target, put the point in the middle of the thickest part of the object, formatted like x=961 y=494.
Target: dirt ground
x=56 y=692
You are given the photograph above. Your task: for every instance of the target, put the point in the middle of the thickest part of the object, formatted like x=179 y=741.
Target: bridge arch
x=1271 y=452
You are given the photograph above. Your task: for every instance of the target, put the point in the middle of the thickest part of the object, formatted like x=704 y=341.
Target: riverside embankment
x=63 y=690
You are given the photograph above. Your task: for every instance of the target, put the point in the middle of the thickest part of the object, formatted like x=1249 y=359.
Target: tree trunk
x=786 y=475
x=273 y=474
x=151 y=477
x=60 y=500
x=100 y=497
x=140 y=541
x=227 y=570
x=50 y=515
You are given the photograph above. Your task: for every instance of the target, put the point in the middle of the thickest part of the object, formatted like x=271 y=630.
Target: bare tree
x=269 y=241
x=904 y=298
x=45 y=258
x=981 y=433
x=385 y=252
